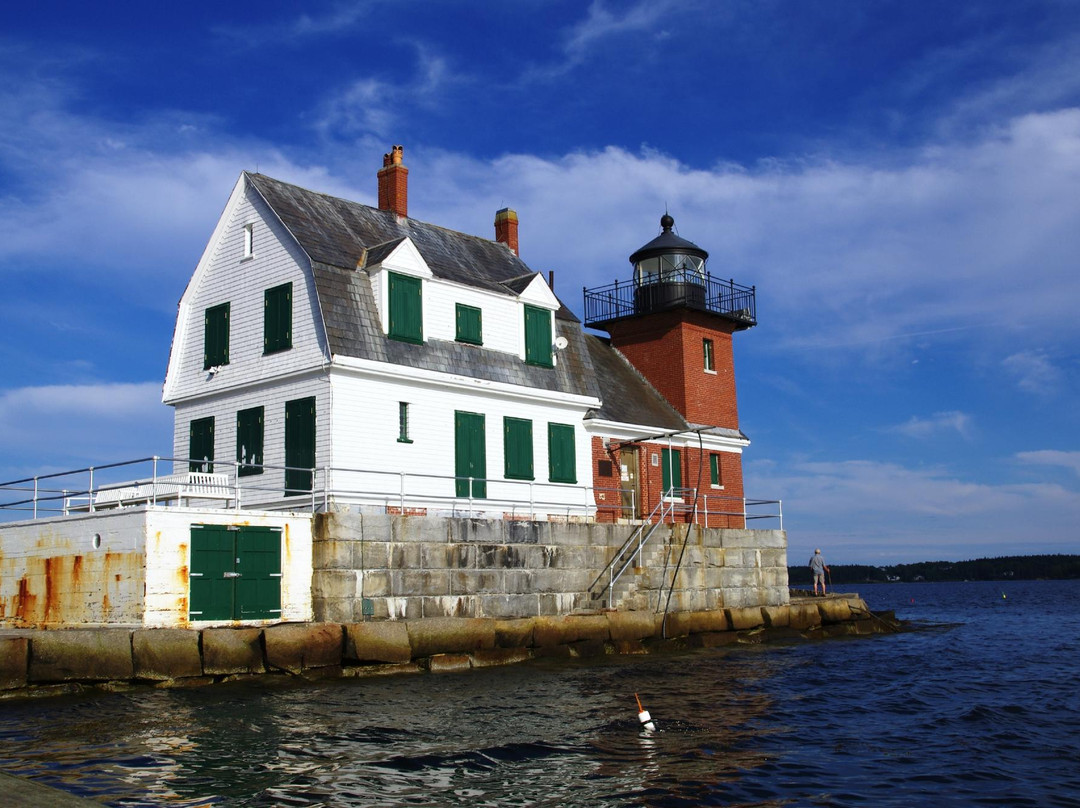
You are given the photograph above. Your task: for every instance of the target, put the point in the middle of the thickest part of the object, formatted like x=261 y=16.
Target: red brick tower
x=674 y=323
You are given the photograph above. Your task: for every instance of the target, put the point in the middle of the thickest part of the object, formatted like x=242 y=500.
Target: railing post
x=236 y=476
x=36 y=496
x=532 y=500
x=401 y=492
x=326 y=489
x=90 y=492
x=153 y=491
x=313 y=478
x=780 y=511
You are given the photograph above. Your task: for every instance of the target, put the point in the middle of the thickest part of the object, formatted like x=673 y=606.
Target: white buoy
x=644 y=717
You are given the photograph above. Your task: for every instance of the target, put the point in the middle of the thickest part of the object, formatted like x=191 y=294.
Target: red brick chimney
x=506 y=229
x=394 y=183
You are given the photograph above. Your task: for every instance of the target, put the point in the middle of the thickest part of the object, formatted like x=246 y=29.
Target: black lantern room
x=669 y=271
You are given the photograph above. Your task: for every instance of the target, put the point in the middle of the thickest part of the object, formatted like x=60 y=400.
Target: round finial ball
x=667 y=222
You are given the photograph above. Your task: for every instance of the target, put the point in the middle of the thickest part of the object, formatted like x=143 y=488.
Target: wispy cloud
x=937 y=424
x=338 y=19
x=1033 y=372
x=1052 y=457
x=69 y=426
x=856 y=507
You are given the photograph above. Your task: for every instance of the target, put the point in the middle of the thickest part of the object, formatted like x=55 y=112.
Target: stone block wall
x=411 y=567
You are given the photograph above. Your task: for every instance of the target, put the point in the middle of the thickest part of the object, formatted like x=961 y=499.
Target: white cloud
x=936 y=424
x=1052 y=457
x=1033 y=372
x=71 y=426
x=866 y=510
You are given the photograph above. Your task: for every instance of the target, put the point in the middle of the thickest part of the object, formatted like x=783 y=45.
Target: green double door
x=235 y=572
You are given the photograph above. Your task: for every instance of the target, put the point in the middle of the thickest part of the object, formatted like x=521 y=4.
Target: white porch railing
x=157 y=481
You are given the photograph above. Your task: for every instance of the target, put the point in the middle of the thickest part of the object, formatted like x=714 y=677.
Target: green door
x=213 y=561
x=299 y=445
x=235 y=572
x=258 y=589
x=470 y=459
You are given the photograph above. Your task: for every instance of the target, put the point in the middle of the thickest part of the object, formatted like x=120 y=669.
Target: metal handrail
x=664 y=508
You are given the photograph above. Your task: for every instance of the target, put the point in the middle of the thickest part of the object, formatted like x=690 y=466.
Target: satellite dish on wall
x=560 y=343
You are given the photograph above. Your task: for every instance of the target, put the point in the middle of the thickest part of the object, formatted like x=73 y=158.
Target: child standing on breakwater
x=818 y=567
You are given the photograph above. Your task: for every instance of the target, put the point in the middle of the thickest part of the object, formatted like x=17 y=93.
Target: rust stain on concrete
x=54 y=569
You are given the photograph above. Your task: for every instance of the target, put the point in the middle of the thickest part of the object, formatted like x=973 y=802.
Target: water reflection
x=891 y=721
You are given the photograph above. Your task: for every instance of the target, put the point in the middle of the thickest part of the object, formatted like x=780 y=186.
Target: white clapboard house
x=335 y=354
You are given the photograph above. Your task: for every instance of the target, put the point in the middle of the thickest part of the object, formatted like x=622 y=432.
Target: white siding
x=502 y=316
x=269 y=485
x=365 y=437
x=241 y=282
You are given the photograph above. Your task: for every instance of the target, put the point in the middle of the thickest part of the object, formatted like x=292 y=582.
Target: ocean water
x=979 y=705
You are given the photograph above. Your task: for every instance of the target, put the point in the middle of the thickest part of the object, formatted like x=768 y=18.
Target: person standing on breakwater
x=818 y=567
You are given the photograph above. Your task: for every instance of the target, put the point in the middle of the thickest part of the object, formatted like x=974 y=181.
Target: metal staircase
x=634 y=552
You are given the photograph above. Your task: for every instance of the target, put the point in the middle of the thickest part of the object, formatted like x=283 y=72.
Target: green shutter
x=249 y=441
x=671 y=462
x=468 y=324
x=470 y=457
x=562 y=463
x=518 y=448
x=216 y=336
x=201 y=445
x=714 y=469
x=277 y=318
x=406 y=308
x=538 y=336
x=299 y=444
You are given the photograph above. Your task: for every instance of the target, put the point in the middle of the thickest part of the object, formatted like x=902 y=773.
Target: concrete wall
x=416 y=567
x=128 y=566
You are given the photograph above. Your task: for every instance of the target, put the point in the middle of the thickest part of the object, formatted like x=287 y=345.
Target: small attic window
x=249 y=240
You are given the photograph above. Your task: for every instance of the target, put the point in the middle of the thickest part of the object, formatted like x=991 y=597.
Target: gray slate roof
x=340 y=236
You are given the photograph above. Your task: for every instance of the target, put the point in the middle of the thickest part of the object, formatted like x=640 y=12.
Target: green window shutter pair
x=671 y=462
x=470 y=456
x=562 y=462
x=715 y=476
x=277 y=318
x=249 y=441
x=406 y=308
x=468 y=324
x=299 y=445
x=518 y=448
x=201 y=445
x=538 y=337
x=216 y=336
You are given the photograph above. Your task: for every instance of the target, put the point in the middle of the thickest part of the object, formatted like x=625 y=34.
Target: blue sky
x=901 y=181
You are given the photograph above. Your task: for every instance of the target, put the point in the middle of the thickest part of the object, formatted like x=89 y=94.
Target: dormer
x=398 y=276
x=538 y=304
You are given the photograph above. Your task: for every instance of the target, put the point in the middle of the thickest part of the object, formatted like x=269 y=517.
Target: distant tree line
x=1005 y=568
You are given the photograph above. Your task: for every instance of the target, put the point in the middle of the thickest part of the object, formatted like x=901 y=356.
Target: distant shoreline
x=1004 y=568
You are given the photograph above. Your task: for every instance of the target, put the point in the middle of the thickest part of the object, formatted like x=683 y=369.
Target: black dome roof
x=668 y=242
